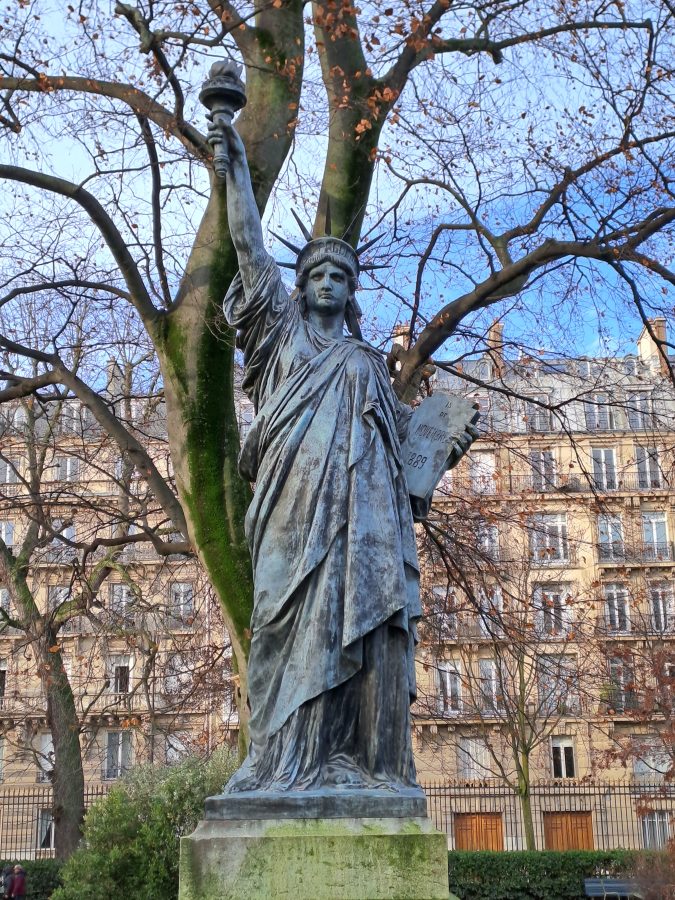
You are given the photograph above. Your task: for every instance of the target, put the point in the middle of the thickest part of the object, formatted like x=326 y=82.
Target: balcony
x=552 y=557
x=22 y=704
x=619 y=554
x=554 y=483
x=619 y=700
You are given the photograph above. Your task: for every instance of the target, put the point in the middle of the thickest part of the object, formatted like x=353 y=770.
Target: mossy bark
x=196 y=347
x=67 y=775
x=62 y=718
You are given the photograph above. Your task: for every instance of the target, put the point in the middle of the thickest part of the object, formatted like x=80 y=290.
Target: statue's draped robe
x=331 y=670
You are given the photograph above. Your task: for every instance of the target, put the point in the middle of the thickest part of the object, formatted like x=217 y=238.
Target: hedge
x=42 y=876
x=534 y=875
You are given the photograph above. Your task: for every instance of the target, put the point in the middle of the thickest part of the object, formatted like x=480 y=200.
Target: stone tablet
x=435 y=425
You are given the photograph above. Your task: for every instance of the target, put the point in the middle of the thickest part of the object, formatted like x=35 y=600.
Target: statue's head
x=321 y=254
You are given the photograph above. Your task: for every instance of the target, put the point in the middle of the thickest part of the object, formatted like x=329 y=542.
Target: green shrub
x=42 y=876
x=533 y=875
x=130 y=843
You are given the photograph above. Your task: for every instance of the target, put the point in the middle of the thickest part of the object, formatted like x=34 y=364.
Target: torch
x=223 y=95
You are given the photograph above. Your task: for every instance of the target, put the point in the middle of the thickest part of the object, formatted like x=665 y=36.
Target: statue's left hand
x=462 y=445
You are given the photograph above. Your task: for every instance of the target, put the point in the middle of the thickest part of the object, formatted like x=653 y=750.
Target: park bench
x=611 y=889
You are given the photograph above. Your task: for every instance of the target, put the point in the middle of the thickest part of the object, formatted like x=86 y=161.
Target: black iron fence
x=27 y=822
x=565 y=814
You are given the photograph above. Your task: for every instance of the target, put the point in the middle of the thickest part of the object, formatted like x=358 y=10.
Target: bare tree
x=519 y=162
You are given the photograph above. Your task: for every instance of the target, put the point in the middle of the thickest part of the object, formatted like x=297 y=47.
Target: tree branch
x=100 y=218
x=137 y=100
x=64 y=283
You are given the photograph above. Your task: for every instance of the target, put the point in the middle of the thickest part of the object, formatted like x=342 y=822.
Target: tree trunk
x=526 y=802
x=196 y=348
x=67 y=775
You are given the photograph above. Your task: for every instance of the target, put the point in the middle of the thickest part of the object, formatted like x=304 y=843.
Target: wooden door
x=568 y=830
x=478 y=831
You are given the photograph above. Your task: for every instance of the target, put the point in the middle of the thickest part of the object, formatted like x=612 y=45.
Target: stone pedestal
x=314 y=859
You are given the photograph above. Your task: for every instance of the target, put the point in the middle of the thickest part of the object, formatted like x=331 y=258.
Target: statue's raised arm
x=242 y=210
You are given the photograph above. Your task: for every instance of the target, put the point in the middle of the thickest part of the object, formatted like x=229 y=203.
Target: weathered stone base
x=315 y=859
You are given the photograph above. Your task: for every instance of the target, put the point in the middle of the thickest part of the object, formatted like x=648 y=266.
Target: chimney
x=647 y=347
x=401 y=336
x=495 y=343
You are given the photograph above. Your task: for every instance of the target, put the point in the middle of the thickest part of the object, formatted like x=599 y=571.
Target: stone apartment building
x=140 y=634
x=547 y=576
x=549 y=650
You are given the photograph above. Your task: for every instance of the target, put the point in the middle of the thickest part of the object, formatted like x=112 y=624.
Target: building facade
x=90 y=587
x=549 y=647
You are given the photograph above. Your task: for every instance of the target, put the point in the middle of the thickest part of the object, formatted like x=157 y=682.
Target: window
x=562 y=756
x=56 y=595
x=482 y=471
x=621 y=693
x=655 y=536
x=117 y=754
x=630 y=366
x=638 y=410
x=12 y=419
x=655 y=829
x=230 y=711
x=44 y=837
x=542 y=465
x=442 y=613
x=45 y=757
x=139 y=409
x=490 y=616
x=661 y=605
x=181 y=602
x=548 y=538
x=610 y=536
x=598 y=413
x=449 y=686
x=7 y=533
x=66 y=468
x=491 y=697
x=8 y=471
x=604 y=468
x=121 y=598
x=3 y=678
x=58 y=550
x=245 y=416
x=485 y=420
x=4 y=601
x=551 y=609
x=651 y=760
x=176 y=748
x=538 y=417
x=557 y=684
x=616 y=608
x=488 y=540
x=649 y=468
x=178 y=674
x=473 y=760
x=68 y=417
x=591 y=368
x=119 y=674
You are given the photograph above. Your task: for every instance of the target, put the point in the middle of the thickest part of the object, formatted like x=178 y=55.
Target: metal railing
x=25 y=832
x=507 y=483
x=618 y=552
x=602 y=815
x=635 y=814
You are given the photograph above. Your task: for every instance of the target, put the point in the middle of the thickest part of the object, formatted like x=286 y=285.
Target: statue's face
x=327 y=290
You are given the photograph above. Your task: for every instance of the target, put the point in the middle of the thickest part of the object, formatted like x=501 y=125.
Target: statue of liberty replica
x=336 y=577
